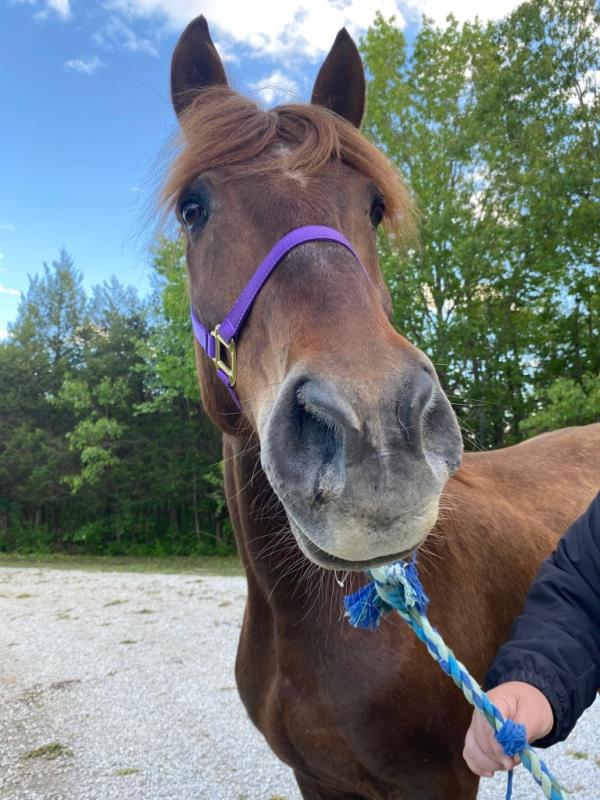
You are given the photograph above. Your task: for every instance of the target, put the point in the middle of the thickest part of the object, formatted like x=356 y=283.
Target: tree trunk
x=195 y=506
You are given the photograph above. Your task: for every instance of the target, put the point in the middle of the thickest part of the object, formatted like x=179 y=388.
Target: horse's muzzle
x=360 y=468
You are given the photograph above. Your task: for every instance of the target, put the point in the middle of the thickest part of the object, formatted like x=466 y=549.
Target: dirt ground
x=119 y=685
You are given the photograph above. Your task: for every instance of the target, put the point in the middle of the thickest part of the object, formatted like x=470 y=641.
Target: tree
x=172 y=382
x=103 y=444
x=488 y=125
x=566 y=402
x=44 y=343
x=51 y=314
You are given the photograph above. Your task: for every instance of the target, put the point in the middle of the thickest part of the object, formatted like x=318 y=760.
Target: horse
x=341 y=450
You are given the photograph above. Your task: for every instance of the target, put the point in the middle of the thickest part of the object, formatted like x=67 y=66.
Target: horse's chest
x=290 y=706
x=347 y=723
x=317 y=715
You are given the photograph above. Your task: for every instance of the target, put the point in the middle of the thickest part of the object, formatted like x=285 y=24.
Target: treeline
x=497 y=129
x=103 y=444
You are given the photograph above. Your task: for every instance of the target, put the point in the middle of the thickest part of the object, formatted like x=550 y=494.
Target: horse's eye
x=377 y=212
x=193 y=214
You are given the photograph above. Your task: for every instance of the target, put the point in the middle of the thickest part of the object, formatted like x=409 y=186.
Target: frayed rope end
x=512 y=737
x=364 y=608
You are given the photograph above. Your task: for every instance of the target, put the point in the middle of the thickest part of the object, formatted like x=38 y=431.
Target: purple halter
x=222 y=338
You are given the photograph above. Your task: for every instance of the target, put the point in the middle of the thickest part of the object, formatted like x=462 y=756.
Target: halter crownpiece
x=219 y=344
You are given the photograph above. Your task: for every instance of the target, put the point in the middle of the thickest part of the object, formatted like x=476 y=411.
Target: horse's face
x=356 y=435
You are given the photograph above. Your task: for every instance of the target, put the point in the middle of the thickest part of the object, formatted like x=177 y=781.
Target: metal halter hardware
x=219 y=344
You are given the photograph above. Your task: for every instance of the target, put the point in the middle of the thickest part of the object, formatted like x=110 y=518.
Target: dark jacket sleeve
x=555 y=642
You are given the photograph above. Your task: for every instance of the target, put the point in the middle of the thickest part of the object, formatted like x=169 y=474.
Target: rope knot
x=394 y=586
x=512 y=737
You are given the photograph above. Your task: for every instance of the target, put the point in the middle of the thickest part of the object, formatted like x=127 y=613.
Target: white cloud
x=60 y=7
x=438 y=10
x=277 y=88
x=116 y=33
x=88 y=66
x=10 y=292
x=3 y=333
x=7 y=226
x=227 y=55
x=269 y=28
x=285 y=27
x=276 y=29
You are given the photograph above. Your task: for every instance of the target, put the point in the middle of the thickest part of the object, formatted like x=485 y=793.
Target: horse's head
x=356 y=435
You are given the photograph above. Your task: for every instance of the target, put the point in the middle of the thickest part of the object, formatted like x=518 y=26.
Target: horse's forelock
x=223 y=129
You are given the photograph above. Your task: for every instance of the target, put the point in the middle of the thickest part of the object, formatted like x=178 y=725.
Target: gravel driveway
x=118 y=685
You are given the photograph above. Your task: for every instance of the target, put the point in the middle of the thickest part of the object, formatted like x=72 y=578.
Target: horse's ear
x=340 y=84
x=195 y=65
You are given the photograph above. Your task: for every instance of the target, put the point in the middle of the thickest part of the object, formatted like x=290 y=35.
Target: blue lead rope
x=396 y=587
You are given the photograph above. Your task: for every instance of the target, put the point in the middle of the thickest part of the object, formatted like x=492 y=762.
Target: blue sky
x=84 y=91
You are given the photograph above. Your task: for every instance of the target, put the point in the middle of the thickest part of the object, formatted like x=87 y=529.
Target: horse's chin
x=335 y=562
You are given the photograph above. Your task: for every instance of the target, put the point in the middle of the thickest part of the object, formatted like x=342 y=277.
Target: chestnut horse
x=339 y=444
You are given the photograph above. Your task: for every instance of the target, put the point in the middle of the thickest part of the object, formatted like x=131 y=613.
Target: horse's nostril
x=413 y=405
x=319 y=498
x=316 y=430
x=442 y=434
x=328 y=407
x=428 y=369
x=306 y=440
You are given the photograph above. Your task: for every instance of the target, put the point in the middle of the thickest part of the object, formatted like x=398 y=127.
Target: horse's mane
x=223 y=129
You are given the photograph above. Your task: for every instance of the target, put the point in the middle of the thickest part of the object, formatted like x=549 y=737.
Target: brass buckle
x=228 y=367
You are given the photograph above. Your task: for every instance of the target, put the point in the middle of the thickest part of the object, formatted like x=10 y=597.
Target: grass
x=121 y=773
x=190 y=565
x=577 y=754
x=49 y=751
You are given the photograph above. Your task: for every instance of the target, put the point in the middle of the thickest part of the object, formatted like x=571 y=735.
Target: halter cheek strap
x=219 y=344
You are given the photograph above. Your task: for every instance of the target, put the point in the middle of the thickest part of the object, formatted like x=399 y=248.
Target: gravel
x=118 y=685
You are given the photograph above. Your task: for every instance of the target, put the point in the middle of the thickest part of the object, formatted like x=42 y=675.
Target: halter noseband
x=222 y=339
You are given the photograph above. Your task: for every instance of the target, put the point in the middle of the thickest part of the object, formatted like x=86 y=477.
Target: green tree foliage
x=51 y=316
x=103 y=445
x=496 y=130
x=566 y=402
x=174 y=362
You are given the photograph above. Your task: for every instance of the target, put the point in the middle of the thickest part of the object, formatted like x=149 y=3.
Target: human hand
x=518 y=701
